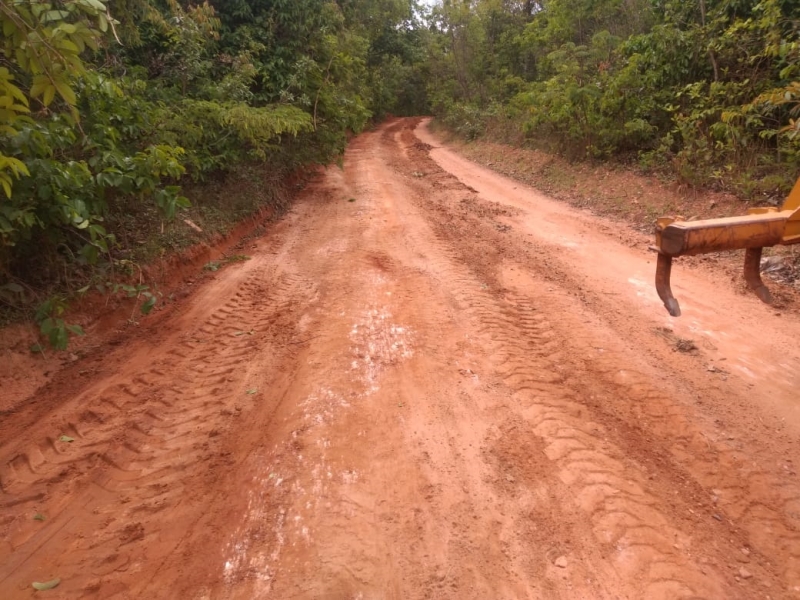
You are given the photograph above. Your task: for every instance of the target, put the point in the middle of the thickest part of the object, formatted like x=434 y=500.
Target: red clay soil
x=430 y=381
x=109 y=319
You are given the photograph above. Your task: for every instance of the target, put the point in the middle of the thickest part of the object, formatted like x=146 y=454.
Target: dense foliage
x=707 y=88
x=110 y=105
x=109 y=108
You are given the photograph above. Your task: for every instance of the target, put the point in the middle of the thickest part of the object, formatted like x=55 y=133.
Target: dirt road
x=428 y=382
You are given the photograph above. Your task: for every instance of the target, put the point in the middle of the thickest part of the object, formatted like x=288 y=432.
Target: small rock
x=510 y=479
x=743 y=557
x=746 y=551
x=561 y=562
x=744 y=573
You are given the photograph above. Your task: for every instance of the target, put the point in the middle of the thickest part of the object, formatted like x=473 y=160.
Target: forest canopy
x=706 y=89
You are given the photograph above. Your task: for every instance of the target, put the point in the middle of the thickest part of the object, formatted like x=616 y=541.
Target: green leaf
x=49 y=94
x=56 y=15
x=148 y=305
x=47 y=585
x=252 y=391
x=96 y=4
x=48 y=325
x=90 y=253
x=66 y=438
x=39 y=517
x=68 y=45
x=65 y=91
x=76 y=329
x=40 y=84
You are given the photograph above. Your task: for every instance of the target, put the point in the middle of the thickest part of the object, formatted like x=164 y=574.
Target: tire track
x=147 y=434
x=631 y=522
x=718 y=478
x=298 y=485
x=627 y=518
x=739 y=490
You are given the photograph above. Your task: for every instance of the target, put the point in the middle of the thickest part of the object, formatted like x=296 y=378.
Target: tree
x=43 y=43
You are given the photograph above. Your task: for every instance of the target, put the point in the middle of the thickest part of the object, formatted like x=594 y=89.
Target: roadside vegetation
x=132 y=128
x=117 y=115
x=707 y=91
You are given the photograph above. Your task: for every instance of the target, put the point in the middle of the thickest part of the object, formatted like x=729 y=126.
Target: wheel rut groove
x=143 y=435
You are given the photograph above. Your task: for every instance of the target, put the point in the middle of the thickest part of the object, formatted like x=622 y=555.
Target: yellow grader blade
x=760 y=228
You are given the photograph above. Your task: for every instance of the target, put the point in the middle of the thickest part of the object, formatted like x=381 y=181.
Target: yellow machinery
x=760 y=228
